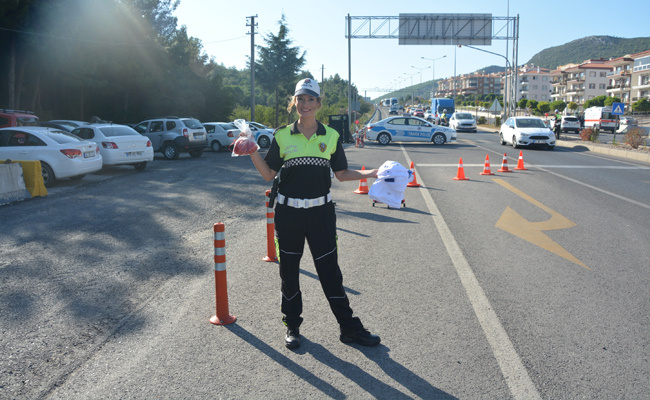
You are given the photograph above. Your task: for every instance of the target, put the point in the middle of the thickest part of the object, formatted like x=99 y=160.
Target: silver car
x=221 y=134
x=173 y=135
x=462 y=121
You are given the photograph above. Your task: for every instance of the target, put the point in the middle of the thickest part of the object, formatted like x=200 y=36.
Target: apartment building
x=580 y=82
x=469 y=85
x=532 y=83
x=640 y=87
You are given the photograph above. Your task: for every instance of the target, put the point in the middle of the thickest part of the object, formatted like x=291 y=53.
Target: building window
x=592 y=86
x=545 y=78
x=603 y=74
x=601 y=86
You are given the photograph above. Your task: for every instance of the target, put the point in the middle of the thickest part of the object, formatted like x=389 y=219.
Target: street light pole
x=505 y=103
x=433 y=67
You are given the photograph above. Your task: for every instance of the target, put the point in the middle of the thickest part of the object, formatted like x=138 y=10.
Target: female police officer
x=305 y=151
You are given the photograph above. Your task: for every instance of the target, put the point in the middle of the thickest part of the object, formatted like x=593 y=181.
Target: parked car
x=629 y=121
x=173 y=135
x=220 y=134
x=70 y=123
x=526 y=132
x=462 y=121
x=17 y=118
x=263 y=134
x=118 y=144
x=62 y=154
x=55 y=125
x=570 y=123
x=409 y=129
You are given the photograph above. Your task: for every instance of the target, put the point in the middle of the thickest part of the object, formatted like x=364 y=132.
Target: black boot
x=292 y=340
x=362 y=336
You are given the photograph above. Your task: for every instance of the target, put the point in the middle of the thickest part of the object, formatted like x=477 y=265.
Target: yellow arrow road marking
x=511 y=222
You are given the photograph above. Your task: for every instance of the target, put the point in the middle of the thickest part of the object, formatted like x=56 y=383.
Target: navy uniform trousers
x=318 y=226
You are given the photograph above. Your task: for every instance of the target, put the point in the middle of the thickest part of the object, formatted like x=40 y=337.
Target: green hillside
x=590 y=47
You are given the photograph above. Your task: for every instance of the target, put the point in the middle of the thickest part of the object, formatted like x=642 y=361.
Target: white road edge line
x=512 y=368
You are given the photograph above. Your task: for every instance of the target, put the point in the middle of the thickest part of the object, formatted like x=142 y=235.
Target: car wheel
x=514 y=142
x=216 y=146
x=438 y=139
x=140 y=166
x=195 y=153
x=383 y=138
x=503 y=142
x=48 y=174
x=263 y=142
x=170 y=151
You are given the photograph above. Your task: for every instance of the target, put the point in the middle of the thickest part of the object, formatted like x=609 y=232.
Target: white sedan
x=526 y=132
x=409 y=129
x=462 y=121
x=220 y=134
x=62 y=155
x=118 y=144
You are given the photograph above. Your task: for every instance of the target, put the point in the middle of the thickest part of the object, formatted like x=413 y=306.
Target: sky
x=381 y=65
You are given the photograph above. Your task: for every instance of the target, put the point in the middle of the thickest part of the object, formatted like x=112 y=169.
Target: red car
x=418 y=113
x=17 y=118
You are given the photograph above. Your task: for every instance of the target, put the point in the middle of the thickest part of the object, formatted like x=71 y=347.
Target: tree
x=522 y=103
x=558 y=105
x=573 y=106
x=279 y=64
x=611 y=100
x=641 y=105
x=532 y=104
x=543 y=107
x=598 y=101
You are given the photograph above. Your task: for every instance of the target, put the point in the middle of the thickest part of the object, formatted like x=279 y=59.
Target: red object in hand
x=244 y=146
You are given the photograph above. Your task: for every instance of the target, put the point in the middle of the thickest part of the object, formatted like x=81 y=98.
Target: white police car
x=409 y=129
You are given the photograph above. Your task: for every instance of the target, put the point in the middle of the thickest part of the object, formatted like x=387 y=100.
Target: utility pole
x=322 y=79
x=252 y=24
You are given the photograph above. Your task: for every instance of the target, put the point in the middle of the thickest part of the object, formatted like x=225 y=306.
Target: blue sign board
x=618 y=108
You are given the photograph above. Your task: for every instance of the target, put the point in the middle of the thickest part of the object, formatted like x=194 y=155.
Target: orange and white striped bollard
x=271 y=256
x=222 y=316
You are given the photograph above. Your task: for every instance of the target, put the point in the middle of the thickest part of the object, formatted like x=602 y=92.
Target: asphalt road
x=529 y=284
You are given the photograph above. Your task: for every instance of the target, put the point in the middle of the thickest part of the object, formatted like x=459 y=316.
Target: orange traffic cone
x=504 y=165
x=414 y=182
x=363 y=185
x=520 y=163
x=460 y=176
x=486 y=168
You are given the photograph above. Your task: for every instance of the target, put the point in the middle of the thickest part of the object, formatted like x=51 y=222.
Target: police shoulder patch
x=322 y=146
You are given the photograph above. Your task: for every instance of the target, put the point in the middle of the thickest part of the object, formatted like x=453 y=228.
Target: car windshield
x=118 y=131
x=464 y=116
x=193 y=123
x=26 y=121
x=62 y=137
x=530 y=123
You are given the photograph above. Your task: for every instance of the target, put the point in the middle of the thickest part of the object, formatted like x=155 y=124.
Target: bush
x=589 y=134
x=482 y=120
x=634 y=137
x=497 y=121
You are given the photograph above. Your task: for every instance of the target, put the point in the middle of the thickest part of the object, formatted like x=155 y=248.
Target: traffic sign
x=618 y=108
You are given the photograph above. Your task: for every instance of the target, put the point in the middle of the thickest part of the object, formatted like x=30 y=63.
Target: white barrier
x=12 y=184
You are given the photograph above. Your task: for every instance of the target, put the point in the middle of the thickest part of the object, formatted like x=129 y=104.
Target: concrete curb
x=645 y=157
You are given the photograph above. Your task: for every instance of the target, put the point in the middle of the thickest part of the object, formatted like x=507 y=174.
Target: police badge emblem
x=322 y=146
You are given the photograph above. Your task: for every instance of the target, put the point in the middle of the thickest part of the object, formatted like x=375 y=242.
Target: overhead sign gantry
x=442 y=29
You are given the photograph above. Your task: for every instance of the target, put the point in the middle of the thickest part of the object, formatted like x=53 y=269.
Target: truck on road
x=438 y=106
